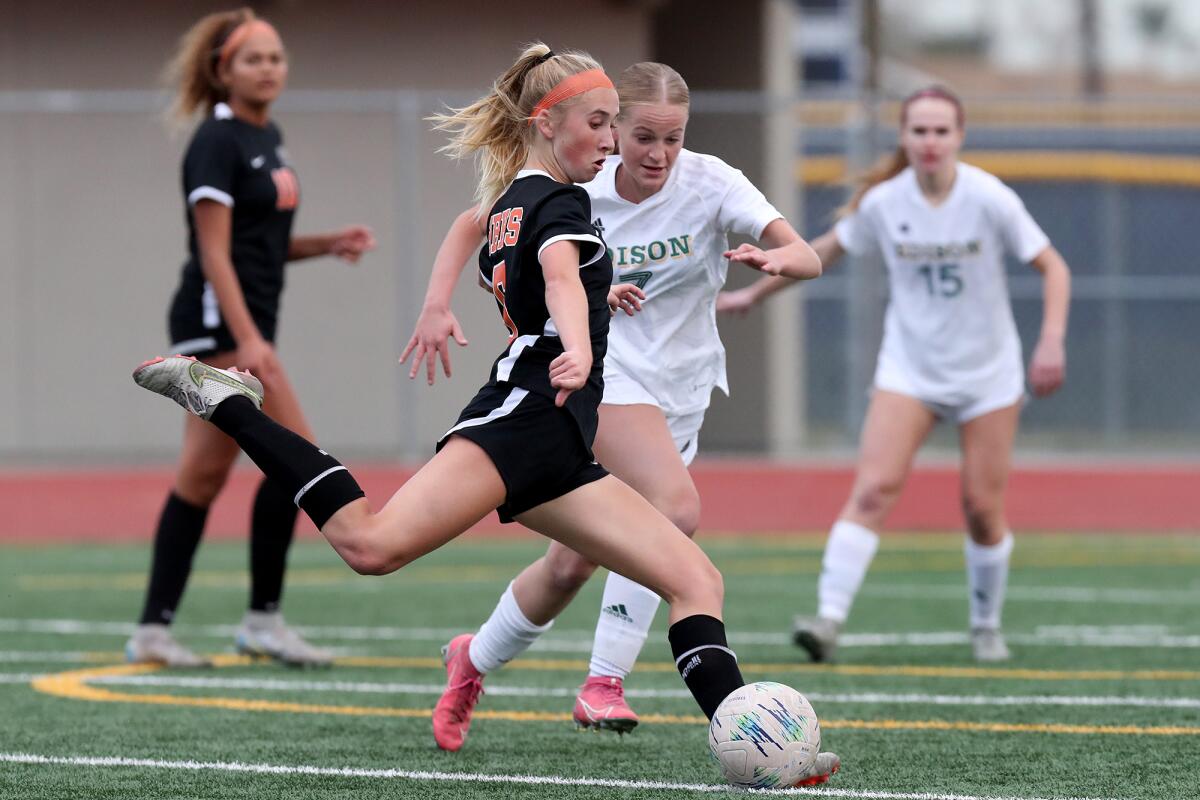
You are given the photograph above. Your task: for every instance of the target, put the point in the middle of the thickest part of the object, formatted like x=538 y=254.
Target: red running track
x=737 y=496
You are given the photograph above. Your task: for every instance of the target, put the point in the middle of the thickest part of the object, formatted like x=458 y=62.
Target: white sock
x=848 y=554
x=506 y=634
x=626 y=613
x=987 y=578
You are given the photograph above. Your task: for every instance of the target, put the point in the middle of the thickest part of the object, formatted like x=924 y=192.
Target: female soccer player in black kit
x=523 y=444
x=241 y=198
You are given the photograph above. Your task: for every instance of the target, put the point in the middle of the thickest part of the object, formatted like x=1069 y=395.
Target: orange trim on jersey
x=239 y=35
x=570 y=86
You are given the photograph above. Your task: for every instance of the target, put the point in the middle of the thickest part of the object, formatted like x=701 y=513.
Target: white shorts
x=621 y=390
x=1008 y=390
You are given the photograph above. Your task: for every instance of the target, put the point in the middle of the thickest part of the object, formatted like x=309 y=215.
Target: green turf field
x=1102 y=699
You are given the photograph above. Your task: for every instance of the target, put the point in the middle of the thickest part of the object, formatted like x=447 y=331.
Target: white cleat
x=818 y=636
x=195 y=385
x=988 y=644
x=152 y=643
x=264 y=633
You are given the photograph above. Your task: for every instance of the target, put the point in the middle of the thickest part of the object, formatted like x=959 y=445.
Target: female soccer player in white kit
x=665 y=213
x=950 y=351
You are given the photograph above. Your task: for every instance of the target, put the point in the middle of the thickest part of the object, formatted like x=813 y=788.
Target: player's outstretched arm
x=437 y=323
x=348 y=243
x=825 y=247
x=787 y=255
x=1048 y=366
x=567 y=303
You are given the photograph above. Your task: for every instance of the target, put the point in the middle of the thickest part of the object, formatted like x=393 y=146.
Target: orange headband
x=238 y=36
x=570 y=86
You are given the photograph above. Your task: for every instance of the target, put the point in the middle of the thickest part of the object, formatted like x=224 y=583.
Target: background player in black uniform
x=241 y=198
x=523 y=445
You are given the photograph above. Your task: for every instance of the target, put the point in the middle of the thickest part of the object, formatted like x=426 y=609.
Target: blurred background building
x=1088 y=108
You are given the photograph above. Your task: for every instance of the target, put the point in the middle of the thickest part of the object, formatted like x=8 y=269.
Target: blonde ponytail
x=495 y=128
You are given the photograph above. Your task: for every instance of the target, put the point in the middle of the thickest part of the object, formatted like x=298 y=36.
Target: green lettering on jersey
x=680 y=246
x=639 y=279
x=657 y=251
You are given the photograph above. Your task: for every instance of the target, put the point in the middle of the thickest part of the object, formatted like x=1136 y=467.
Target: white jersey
x=949 y=326
x=670 y=244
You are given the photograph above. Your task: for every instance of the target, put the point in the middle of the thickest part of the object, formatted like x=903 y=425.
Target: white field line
x=47 y=657
x=1043 y=594
x=471 y=777
x=872 y=698
x=18 y=677
x=1049 y=636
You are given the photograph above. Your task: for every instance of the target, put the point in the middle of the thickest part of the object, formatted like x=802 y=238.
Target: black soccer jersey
x=245 y=167
x=533 y=213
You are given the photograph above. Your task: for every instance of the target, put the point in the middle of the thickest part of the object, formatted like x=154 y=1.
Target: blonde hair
x=893 y=164
x=192 y=71
x=495 y=128
x=649 y=82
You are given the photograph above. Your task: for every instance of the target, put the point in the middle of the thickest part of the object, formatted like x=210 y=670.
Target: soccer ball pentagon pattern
x=764 y=735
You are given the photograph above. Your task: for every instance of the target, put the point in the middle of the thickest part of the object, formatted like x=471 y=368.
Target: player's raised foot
x=601 y=705
x=195 y=385
x=824 y=768
x=265 y=634
x=817 y=635
x=988 y=644
x=153 y=644
x=464 y=684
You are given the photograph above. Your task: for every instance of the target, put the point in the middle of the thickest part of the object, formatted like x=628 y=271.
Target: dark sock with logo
x=272 y=526
x=179 y=530
x=704 y=660
x=315 y=480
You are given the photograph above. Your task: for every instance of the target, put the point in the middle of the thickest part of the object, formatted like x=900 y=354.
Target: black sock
x=179 y=529
x=312 y=478
x=703 y=658
x=272 y=525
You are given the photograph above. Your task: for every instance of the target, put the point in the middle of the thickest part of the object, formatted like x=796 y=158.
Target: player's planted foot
x=464 y=684
x=152 y=643
x=822 y=770
x=818 y=636
x=988 y=644
x=264 y=633
x=601 y=706
x=195 y=385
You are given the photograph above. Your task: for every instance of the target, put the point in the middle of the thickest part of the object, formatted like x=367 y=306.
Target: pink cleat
x=464 y=684
x=824 y=768
x=601 y=706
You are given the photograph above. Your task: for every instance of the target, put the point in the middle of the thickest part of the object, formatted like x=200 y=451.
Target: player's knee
x=875 y=496
x=368 y=555
x=569 y=571
x=682 y=507
x=980 y=508
x=201 y=483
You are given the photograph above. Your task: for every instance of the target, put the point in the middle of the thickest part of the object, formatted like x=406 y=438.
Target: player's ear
x=543 y=123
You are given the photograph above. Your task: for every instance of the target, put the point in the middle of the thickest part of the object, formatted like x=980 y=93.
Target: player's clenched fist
x=569 y=372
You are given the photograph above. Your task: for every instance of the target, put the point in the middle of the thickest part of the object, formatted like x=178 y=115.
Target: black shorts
x=537 y=447
x=197 y=329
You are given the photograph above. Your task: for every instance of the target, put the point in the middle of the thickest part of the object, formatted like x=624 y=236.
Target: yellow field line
x=1043 y=165
x=74 y=685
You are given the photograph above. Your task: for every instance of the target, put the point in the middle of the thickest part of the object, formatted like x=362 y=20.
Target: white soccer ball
x=764 y=735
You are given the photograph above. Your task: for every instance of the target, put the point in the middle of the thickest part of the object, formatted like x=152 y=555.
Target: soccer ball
x=764 y=735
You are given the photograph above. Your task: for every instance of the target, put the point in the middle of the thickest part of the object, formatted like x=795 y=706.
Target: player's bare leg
x=895 y=427
x=987 y=443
